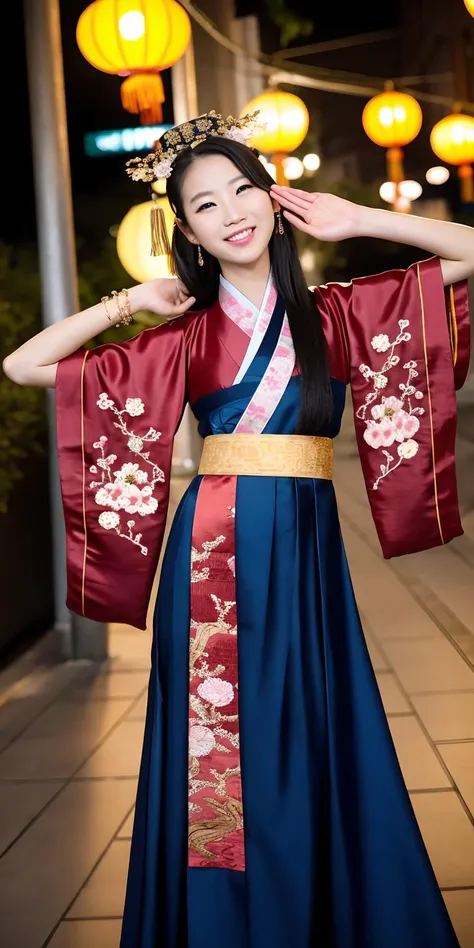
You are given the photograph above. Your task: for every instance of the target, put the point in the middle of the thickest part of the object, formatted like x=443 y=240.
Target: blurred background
x=373 y=101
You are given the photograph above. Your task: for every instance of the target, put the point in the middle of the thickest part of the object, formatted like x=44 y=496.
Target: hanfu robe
x=271 y=809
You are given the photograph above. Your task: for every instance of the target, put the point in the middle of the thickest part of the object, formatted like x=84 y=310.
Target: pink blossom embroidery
x=201 y=741
x=256 y=409
x=272 y=298
x=214 y=763
x=272 y=386
x=245 y=319
x=254 y=324
x=216 y=691
x=391 y=419
x=129 y=489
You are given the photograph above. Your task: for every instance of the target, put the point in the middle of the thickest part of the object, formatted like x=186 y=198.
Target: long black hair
x=203 y=281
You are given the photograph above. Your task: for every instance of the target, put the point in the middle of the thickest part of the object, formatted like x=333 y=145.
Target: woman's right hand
x=164 y=296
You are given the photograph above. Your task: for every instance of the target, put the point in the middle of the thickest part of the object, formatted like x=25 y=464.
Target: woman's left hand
x=324 y=216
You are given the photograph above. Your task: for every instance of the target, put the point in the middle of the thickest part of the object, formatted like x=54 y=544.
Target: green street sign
x=122 y=140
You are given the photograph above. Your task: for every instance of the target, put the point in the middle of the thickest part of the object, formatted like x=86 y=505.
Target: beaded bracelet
x=123 y=307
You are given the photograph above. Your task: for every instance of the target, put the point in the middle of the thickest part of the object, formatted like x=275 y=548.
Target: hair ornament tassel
x=160 y=243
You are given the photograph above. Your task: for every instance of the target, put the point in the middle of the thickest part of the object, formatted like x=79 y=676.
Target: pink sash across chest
x=254 y=323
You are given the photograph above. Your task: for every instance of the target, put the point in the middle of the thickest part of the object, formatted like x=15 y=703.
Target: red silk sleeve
x=407 y=343
x=333 y=302
x=459 y=326
x=118 y=407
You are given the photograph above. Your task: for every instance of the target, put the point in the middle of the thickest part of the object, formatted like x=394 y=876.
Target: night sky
x=93 y=103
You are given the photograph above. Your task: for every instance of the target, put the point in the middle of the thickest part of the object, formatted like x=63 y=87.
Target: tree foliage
x=290 y=24
x=23 y=422
x=23 y=408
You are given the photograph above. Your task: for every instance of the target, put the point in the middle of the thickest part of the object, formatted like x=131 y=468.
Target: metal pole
x=187 y=444
x=77 y=637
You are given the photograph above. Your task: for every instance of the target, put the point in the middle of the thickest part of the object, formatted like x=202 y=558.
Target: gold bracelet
x=123 y=306
x=105 y=300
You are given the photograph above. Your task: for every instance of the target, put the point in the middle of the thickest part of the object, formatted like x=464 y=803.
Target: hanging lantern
x=391 y=120
x=136 y=39
x=159 y=185
x=133 y=241
x=452 y=140
x=286 y=121
x=469 y=4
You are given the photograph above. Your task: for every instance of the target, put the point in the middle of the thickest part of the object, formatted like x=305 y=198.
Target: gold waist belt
x=267 y=455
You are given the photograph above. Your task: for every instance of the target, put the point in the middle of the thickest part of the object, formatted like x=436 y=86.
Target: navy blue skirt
x=334 y=856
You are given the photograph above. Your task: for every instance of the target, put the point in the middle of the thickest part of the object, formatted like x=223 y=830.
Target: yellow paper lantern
x=452 y=140
x=286 y=122
x=469 y=4
x=134 y=242
x=158 y=185
x=391 y=120
x=137 y=39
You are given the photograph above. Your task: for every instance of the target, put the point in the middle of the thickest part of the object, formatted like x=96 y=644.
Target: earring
x=281 y=229
x=200 y=257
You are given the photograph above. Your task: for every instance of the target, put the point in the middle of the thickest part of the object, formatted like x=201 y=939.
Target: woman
x=292 y=825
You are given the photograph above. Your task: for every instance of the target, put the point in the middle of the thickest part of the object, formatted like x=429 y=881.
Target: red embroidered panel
x=216 y=836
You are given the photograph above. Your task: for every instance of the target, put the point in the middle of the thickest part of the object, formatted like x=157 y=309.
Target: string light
x=293 y=168
x=387 y=191
x=410 y=190
x=402 y=203
x=271 y=168
x=311 y=162
x=437 y=175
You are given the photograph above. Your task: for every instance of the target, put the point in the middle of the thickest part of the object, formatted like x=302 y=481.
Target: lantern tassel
x=467 y=190
x=160 y=244
x=395 y=165
x=278 y=160
x=142 y=93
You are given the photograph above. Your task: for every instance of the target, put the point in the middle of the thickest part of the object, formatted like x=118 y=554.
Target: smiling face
x=228 y=215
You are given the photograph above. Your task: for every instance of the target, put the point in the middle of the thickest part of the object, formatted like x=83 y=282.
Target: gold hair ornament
x=189 y=135
x=159 y=164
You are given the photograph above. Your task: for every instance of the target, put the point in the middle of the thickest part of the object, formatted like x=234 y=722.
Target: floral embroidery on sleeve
x=129 y=489
x=393 y=418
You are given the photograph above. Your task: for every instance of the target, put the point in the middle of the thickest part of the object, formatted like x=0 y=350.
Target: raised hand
x=324 y=216
x=166 y=296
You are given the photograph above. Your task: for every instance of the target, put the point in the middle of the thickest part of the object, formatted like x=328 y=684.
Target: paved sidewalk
x=70 y=736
